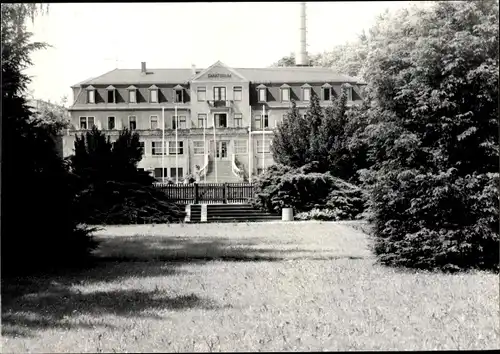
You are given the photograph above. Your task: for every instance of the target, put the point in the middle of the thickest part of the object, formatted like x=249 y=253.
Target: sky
x=91 y=39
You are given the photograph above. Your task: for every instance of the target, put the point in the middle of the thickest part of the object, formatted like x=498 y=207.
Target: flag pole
x=163 y=145
x=263 y=136
x=250 y=150
x=204 y=147
x=215 y=150
x=176 y=148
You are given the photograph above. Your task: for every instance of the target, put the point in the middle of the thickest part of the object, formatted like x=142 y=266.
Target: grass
x=246 y=287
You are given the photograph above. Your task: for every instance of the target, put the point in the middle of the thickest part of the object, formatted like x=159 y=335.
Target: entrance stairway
x=224 y=172
x=231 y=213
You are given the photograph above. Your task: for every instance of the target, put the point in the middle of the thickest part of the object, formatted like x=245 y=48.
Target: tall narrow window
x=349 y=93
x=219 y=93
x=306 y=92
x=111 y=123
x=132 y=122
x=179 y=94
x=285 y=94
x=202 y=94
x=153 y=95
x=132 y=94
x=237 y=93
x=326 y=93
x=262 y=95
x=154 y=122
x=91 y=96
x=111 y=94
x=238 y=120
x=202 y=120
x=182 y=122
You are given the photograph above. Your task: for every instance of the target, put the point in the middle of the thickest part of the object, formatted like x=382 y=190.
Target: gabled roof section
x=218 y=63
x=178 y=87
x=90 y=87
x=327 y=85
x=306 y=85
x=261 y=86
x=153 y=87
x=110 y=87
x=131 y=87
x=285 y=86
x=347 y=84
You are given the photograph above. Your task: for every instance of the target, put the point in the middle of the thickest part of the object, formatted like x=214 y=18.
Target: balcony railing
x=220 y=103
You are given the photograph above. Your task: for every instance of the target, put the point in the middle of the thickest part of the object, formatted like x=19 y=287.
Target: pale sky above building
x=87 y=39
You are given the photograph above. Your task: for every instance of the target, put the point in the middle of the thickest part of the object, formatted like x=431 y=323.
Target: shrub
x=439 y=221
x=283 y=187
x=319 y=214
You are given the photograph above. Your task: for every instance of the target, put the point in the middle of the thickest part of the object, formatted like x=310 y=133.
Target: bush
x=319 y=214
x=439 y=221
x=283 y=187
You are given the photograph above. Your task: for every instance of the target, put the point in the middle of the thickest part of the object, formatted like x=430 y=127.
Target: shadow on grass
x=52 y=300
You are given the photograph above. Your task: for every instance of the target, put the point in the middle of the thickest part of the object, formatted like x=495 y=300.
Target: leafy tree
x=433 y=136
x=39 y=228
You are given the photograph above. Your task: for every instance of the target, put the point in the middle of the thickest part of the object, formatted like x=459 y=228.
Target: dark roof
x=254 y=75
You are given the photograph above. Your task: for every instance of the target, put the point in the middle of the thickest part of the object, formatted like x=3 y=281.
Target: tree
x=112 y=190
x=433 y=136
x=39 y=228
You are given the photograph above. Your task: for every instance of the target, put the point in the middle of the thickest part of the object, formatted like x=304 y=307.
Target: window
x=111 y=123
x=154 y=122
x=173 y=173
x=86 y=122
x=181 y=121
x=285 y=116
x=219 y=93
x=173 y=151
x=263 y=145
x=111 y=95
x=262 y=95
x=202 y=94
x=143 y=147
x=327 y=93
x=158 y=173
x=90 y=96
x=262 y=123
x=202 y=120
x=221 y=119
x=259 y=171
x=240 y=146
x=132 y=96
x=285 y=94
x=132 y=122
x=349 y=93
x=156 y=148
x=238 y=120
x=237 y=93
x=198 y=147
x=306 y=94
x=179 y=95
x=153 y=96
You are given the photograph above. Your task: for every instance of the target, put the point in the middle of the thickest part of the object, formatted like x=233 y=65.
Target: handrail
x=236 y=171
x=203 y=170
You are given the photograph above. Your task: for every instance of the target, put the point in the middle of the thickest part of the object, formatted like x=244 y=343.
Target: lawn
x=246 y=287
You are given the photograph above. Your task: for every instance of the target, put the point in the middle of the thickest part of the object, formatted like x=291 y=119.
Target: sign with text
x=219 y=75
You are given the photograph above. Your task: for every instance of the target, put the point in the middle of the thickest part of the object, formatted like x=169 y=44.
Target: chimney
x=193 y=69
x=143 y=67
x=302 y=59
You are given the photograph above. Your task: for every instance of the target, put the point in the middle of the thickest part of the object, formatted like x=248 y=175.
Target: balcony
x=218 y=104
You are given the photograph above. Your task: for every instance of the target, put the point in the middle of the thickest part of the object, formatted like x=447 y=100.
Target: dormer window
x=306 y=92
x=179 y=94
x=348 y=90
x=90 y=94
x=132 y=94
x=285 y=93
x=327 y=92
x=262 y=91
x=153 y=94
x=111 y=94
